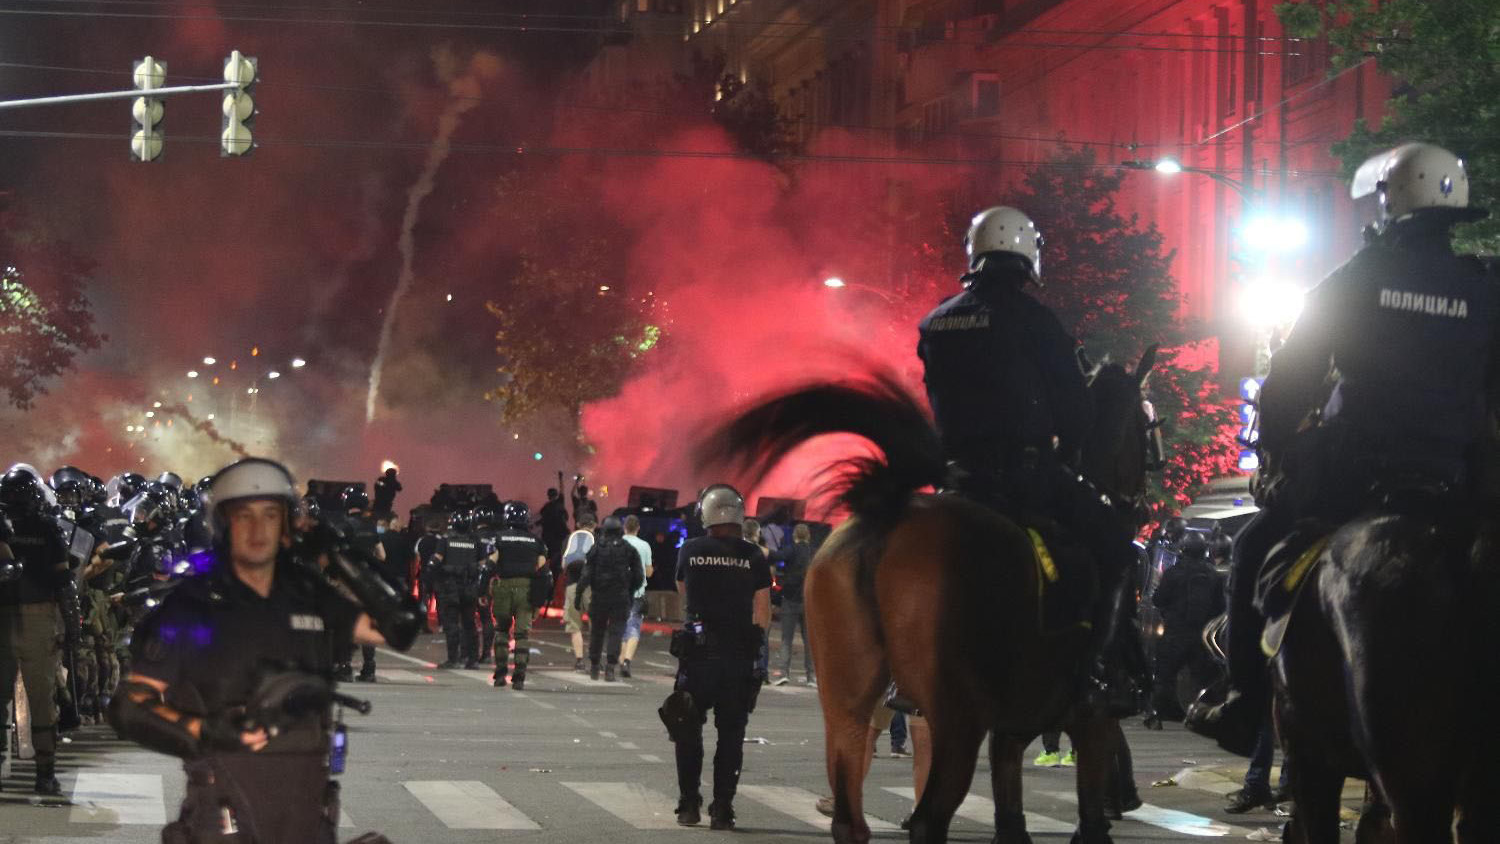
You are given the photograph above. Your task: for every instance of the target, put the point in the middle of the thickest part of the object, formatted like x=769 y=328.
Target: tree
x=1444 y=57
x=45 y=320
x=569 y=328
x=1108 y=278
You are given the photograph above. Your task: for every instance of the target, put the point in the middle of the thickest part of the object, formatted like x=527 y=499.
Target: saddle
x=1287 y=570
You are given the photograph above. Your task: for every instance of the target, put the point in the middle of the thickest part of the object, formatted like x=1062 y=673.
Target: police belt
x=709 y=643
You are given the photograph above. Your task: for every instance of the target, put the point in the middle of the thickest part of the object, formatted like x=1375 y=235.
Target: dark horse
x=942 y=595
x=1387 y=672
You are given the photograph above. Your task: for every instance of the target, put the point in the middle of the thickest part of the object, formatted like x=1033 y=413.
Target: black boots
x=625 y=668
x=609 y=673
x=720 y=815
x=593 y=671
x=687 y=811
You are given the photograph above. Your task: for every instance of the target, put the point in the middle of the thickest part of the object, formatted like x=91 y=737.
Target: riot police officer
x=1189 y=596
x=232 y=672
x=1013 y=410
x=726 y=586
x=457 y=582
x=29 y=612
x=1408 y=327
x=360 y=532
x=426 y=548
x=520 y=557
x=488 y=534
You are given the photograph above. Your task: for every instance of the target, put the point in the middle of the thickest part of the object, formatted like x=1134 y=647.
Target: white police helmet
x=721 y=504
x=243 y=480
x=1412 y=177
x=1003 y=229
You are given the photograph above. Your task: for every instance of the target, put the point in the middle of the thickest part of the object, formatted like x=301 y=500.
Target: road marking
x=118 y=799
x=982 y=810
x=791 y=690
x=396 y=675
x=648 y=757
x=801 y=804
x=481 y=674
x=578 y=719
x=344 y=819
x=527 y=697
x=468 y=804
x=659 y=664
x=631 y=802
x=607 y=734
x=1171 y=820
x=629 y=745
x=398 y=655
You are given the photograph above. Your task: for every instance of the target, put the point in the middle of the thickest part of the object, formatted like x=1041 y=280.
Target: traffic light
x=146 y=112
x=239 y=106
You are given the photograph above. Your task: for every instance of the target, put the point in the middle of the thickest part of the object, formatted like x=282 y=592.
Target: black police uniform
x=613 y=570
x=721 y=576
x=510 y=594
x=1003 y=379
x=212 y=640
x=1409 y=327
x=457 y=583
x=1190 y=594
x=488 y=540
x=29 y=617
x=386 y=488
x=363 y=538
x=426 y=546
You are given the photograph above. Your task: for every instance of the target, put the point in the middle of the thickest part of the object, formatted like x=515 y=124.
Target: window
x=985 y=96
x=1301 y=59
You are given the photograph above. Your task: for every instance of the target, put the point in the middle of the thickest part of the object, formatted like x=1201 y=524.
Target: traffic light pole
x=116 y=95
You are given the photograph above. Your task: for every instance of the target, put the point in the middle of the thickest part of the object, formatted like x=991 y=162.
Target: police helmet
x=1412 y=177
x=611 y=527
x=484 y=517
x=460 y=522
x=72 y=486
x=245 y=480
x=1194 y=545
x=166 y=494
x=21 y=493
x=721 y=504
x=1003 y=230
x=123 y=487
x=171 y=480
x=354 y=498
x=1173 y=528
x=150 y=505
x=516 y=514
x=310 y=508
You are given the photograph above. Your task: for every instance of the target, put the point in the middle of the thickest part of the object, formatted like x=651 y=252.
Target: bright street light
x=209 y=361
x=192 y=373
x=1271 y=302
x=1169 y=166
x=158 y=404
x=150 y=414
x=298 y=363
x=834 y=282
x=1266 y=233
x=273 y=375
x=210 y=417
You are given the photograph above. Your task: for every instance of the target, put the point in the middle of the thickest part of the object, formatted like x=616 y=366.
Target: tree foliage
x=1445 y=58
x=45 y=320
x=1108 y=278
x=569 y=328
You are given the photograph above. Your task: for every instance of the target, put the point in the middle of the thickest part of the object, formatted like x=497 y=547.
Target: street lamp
x=833 y=282
x=1270 y=303
x=298 y=363
x=209 y=361
x=1169 y=166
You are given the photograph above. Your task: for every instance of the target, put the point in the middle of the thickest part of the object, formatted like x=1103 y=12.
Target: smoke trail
x=205 y=427
x=465 y=91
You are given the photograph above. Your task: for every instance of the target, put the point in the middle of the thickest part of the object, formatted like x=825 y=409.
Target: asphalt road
x=444 y=757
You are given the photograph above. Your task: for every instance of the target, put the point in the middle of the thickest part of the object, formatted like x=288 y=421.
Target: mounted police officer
x=1404 y=332
x=232 y=672
x=726 y=587
x=30 y=586
x=1013 y=409
x=520 y=556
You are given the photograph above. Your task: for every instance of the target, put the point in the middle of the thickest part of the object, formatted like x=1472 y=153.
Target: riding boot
x=522 y=656
x=1109 y=617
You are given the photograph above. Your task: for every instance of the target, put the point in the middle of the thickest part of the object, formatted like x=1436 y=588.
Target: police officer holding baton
x=726 y=586
x=232 y=672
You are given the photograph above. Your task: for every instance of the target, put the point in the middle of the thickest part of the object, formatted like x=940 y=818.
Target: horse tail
x=877 y=408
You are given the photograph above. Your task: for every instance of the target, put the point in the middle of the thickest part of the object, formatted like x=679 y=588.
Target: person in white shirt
x=638 y=601
x=574 y=555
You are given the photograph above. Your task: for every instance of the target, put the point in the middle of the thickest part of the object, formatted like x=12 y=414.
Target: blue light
x=537 y=456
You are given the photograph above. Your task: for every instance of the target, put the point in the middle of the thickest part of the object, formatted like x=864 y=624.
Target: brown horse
x=937 y=592
x=1387 y=672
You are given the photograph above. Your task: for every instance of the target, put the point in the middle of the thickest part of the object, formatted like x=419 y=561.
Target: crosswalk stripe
x=575 y=678
x=1171 y=820
x=398 y=655
x=631 y=802
x=982 y=810
x=118 y=799
x=801 y=804
x=344 y=820
x=397 y=675
x=650 y=757
x=468 y=804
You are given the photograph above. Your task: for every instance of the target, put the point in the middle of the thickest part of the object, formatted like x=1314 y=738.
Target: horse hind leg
x=1006 y=754
x=956 y=735
x=1317 y=789
x=851 y=678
